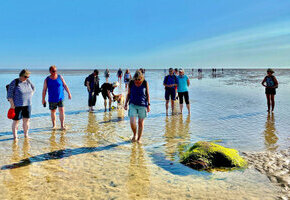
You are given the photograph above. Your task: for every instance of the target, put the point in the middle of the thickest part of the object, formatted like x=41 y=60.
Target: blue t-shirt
x=169 y=80
x=182 y=83
x=55 y=89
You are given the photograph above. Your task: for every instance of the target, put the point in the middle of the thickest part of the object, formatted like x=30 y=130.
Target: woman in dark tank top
x=139 y=103
x=270 y=83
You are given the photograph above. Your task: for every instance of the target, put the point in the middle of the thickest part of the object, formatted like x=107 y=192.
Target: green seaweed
x=213 y=156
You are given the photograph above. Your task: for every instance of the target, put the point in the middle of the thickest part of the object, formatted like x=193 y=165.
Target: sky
x=85 y=34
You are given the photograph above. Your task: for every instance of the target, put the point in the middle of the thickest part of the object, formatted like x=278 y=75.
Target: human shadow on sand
x=59 y=154
x=174 y=167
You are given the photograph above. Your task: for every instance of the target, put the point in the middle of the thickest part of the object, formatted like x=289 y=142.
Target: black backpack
x=87 y=79
x=166 y=78
x=16 y=84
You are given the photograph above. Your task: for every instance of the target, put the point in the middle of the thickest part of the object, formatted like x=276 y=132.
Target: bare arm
x=127 y=99
x=276 y=82
x=263 y=82
x=44 y=91
x=188 y=82
x=66 y=87
x=148 y=97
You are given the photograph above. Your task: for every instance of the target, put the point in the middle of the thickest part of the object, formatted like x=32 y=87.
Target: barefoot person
x=119 y=75
x=170 y=82
x=108 y=93
x=107 y=75
x=127 y=77
x=270 y=83
x=182 y=87
x=92 y=83
x=55 y=85
x=20 y=92
x=139 y=103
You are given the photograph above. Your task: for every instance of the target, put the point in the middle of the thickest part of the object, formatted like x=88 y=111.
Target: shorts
x=137 y=111
x=126 y=81
x=170 y=92
x=54 y=105
x=105 y=95
x=270 y=91
x=185 y=95
x=22 y=112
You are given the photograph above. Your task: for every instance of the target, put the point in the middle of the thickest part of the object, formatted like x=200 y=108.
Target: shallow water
x=94 y=160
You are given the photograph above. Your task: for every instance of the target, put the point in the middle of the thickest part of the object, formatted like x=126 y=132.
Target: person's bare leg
x=140 y=128
x=53 y=117
x=25 y=126
x=61 y=117
x=268 y=101
x=172 y=106
x=273 y=102
x=166 y=106
x=133 y=127
x=181 y=107
x=15 y=128
x=110 y=104
x=188 y=108
x=105 y=104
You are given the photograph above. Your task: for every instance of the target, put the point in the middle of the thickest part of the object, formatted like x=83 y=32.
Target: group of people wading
x=137 y=102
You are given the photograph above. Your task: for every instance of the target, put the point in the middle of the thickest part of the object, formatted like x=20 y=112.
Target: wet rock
x=208 y=155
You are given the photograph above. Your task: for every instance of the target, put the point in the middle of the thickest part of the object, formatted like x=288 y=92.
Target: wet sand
x=93 y=159
x=275 y=165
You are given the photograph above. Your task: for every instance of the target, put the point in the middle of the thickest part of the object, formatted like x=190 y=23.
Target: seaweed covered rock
x=208 y=155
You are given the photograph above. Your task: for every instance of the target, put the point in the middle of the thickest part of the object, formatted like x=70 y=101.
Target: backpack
x=87 y=79
x=16 y=84
x=166 y=78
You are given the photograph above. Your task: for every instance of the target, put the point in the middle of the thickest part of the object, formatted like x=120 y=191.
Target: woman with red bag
x=19 y=95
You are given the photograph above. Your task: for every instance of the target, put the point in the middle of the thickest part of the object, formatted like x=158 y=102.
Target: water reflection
x=57 y=145
x=176 y=132
x=92 y=137
x=17 y=183
x=139 y=176
x=270 y=133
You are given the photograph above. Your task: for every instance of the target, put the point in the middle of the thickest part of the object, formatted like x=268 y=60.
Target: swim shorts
x=54 y=105
x=270 y=91
x=137 y=111
x=22 y=112
x=170 y=92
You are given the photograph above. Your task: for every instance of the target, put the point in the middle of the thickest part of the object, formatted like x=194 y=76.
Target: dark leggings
x=180 y=96
x=92 y=99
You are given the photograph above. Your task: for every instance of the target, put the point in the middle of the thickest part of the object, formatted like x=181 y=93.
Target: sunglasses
x=53 y=71
x=26 y=76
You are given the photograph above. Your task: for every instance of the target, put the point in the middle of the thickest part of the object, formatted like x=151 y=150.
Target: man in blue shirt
x=170 y=82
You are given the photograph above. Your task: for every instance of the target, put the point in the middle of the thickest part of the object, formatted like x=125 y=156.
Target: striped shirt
x=22 y=93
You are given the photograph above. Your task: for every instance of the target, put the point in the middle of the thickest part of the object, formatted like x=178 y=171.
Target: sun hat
x=181 y=70
x=115 y=84
x=11 y=113
x=270 y=70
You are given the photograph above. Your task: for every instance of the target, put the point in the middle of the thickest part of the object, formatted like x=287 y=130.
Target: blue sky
x=149 y=33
